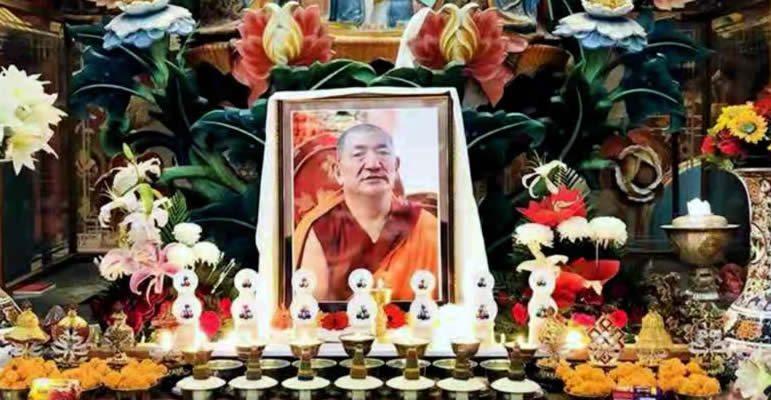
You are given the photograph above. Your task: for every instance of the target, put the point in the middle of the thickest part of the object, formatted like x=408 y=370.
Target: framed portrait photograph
x=366 y=182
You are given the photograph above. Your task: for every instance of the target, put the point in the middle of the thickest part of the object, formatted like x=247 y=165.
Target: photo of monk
x=366 y=195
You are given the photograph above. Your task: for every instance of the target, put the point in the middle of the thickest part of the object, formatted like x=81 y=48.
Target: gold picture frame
x=289 y=157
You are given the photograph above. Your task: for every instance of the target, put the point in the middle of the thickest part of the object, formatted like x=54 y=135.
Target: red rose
x=210 y=323
x=731 y=146
x=584 y=319
x=519 y=314
x=708 y=145
x=763 y=106
x=555 y=208
x=224 y=307
x=527 y=294
x=336 y=321
x=396 y=317
x=619 y=318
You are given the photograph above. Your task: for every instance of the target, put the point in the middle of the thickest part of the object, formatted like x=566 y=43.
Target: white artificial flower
x=116 y=263
x=534 y=234
x=145 y=226
x=541 y=173
x=179 y=255
x=127 y=202
x=131 y=175
x=207 y=252
x=753 y=377
x=23 y=143
x=574 y=229
x=187 y=233
x=608 y=231
x=551 y=262
x=27 y=113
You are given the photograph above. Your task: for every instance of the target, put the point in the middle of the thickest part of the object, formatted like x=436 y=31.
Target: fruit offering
x=671 y=373
x=628 y=375
x=20 y=372
x=585 y=380
x=135 y=376
x=90 y=374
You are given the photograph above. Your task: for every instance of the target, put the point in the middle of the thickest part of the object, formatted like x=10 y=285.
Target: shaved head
x=366 y=129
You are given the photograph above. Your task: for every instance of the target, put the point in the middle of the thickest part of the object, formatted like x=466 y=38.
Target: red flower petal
x=619 y=318
x=396 y=317
x=224 y=307
x=585 y=320
x=519 y=314
x=555 y=208
x=425 y=46
x=210 y=323
x=567 y=286
x=708 y=145
x=595 y=270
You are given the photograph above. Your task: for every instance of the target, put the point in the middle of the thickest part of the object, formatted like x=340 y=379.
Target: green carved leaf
x=494 y=139
x=338 y=73
x=452 y=76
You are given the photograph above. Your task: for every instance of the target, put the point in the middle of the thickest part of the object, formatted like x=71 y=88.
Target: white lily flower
x=131 y=175
x=145 y=226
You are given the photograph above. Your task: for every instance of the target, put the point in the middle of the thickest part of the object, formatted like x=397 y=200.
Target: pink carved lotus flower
x=288 y=35
x=469 y=37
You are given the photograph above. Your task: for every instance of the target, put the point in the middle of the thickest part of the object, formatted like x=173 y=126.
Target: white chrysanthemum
x=187 y=233
x=608 y=231
x=27 y=113
x=534 y=234
x=179 y=255
x=574 y=229
x=207 y=252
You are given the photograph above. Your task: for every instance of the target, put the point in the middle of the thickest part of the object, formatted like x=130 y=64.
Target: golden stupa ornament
x=71 y=339
x=552 y=337
x=27 y=335
x=654 y=342
x=119 y=337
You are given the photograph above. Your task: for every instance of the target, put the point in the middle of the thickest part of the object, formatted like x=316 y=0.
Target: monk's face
x=367 y=164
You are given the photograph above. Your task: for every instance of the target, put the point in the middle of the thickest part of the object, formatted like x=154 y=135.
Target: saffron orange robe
x=409 y=241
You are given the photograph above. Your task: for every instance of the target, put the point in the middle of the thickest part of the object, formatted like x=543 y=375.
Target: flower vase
x=748 y=320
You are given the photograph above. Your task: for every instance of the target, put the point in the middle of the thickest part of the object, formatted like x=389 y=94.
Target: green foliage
x=494 y=139
x=177 y=214
x=451 y=76
x=339 y=73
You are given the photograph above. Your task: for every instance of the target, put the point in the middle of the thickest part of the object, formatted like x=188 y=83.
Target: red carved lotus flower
x=469 y=37
x=288 y=35
x=555 y=208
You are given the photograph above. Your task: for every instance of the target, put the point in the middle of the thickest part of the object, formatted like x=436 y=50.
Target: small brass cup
x=305 y=352
x=464 y=350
